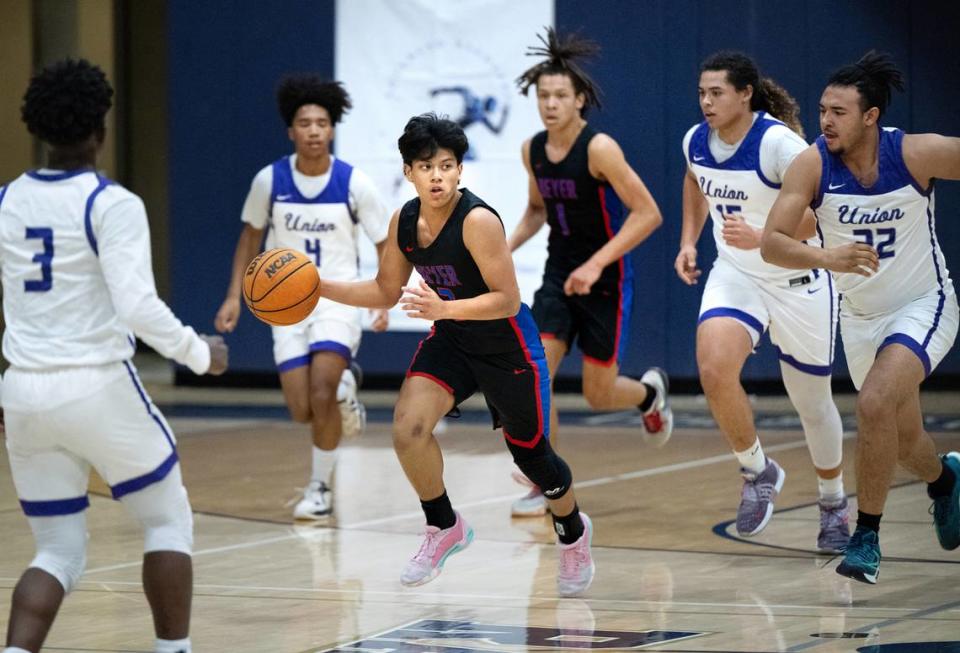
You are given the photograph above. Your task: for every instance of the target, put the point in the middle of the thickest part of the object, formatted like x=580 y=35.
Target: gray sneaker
x=756 y=499
x=834 y=527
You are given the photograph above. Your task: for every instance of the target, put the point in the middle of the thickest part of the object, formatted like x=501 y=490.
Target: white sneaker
x=576 y=563
x=532 y=504
x=658 y=420
x=317 y=502
x=353 y=415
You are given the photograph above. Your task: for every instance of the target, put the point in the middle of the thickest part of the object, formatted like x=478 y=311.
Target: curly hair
x=423 y=135
x=767 y=96
x=561 y=55
x=297 y=89
x=66 y=102
x=874 y=76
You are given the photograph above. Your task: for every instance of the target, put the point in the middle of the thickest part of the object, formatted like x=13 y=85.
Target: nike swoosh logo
x=519 y=371
x=281 y=198
x=832 y=187
x=699 y=158
x=408 y=249
x=813 y=290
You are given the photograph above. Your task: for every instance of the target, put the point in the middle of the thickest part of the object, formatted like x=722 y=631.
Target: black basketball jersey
x=448 y=267
x=582 y=214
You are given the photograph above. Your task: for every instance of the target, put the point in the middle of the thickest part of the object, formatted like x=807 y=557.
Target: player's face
x=559 y=104
x=436 y=179
x=843 y=124
x=311 y=132
x=720 y=101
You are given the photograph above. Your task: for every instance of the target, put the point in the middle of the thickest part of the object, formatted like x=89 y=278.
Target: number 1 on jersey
x=313 y=247
x=44 y=258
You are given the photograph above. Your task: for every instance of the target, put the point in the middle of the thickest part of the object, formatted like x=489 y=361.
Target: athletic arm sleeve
x=369 y=207
x=256 y=208
x=123 y=240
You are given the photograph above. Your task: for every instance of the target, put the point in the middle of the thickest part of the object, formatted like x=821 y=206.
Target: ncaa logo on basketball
x=277 y=265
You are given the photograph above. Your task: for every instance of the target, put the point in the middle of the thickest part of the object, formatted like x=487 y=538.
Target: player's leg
x=134 y=450
x=521 y=403
x=602 y=321
x=733 y=315
x=533 y=503
x=326 y=370
x=436 y=382
x=803 y=329
x=51 y=484
x=552 y=313
x=163 y=510
x=812 y=397
x=52 y=490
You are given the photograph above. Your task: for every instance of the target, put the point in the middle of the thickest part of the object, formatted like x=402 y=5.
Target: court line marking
x=504 y=498
x=530 y=601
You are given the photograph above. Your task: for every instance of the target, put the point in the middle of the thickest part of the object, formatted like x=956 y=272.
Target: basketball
x=281 y=286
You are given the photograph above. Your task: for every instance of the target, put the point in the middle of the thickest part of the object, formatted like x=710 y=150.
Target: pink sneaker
x=438 y=545
x=576 y=563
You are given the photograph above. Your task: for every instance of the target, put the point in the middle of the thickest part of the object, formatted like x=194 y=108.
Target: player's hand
x=686 y=265
x=380 y=319
x=737 y=233
x=219 y=354
x=422 y=302
x=227 y=316
x=582 y=279
x=858 y=258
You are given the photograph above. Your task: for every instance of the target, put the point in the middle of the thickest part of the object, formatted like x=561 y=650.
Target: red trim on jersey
x=610 y=234
x=439 y=382
x=536 y=379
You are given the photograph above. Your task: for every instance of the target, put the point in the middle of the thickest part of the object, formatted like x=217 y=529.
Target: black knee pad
x=544 y=467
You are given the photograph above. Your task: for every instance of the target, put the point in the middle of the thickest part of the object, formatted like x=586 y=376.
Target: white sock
x=323 y=464
x=173 y=646
x=831 y=489
x=14 y=649
x=752 y=459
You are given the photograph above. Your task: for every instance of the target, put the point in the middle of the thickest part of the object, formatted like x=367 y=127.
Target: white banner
x=401 y=58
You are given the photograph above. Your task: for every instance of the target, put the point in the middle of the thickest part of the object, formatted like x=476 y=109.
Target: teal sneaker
x=861 y=559
x=946 y=510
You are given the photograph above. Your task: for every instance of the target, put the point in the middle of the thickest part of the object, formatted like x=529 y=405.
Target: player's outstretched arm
x=384 y=290
x=695 y=213
x=931 y=156
x=123 y=240
x=535 y=214
x=608 y=163
x=248 y=246
x=483 y=235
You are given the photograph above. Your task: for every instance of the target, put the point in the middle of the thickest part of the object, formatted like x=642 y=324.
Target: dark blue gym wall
x=224 y=127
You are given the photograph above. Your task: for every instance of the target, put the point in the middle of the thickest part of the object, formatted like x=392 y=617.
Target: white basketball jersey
x=324 y=227
x=77 y=277
x=895 y=216
x=738 y=186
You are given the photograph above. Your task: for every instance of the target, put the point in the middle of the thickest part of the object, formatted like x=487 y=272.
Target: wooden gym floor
x=671 y=573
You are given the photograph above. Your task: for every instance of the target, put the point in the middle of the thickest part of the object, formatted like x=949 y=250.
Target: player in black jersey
x=483 y=339
x=578 y=178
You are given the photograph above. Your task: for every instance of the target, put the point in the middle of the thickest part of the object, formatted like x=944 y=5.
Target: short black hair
x=297 y=89
x=66 y=102
x=874 y=76
x=561 y=55
x=427 y=133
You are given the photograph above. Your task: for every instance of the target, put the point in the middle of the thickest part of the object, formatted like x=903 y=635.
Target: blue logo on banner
x=476 y=110
x=431 y=635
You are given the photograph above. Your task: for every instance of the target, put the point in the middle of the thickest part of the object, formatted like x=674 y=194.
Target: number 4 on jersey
x=313 y=247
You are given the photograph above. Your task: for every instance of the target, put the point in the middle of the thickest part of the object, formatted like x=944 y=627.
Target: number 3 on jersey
x=44 y=258
x=313 y=247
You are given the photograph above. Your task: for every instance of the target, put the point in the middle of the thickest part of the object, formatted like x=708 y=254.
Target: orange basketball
x=281 y=286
